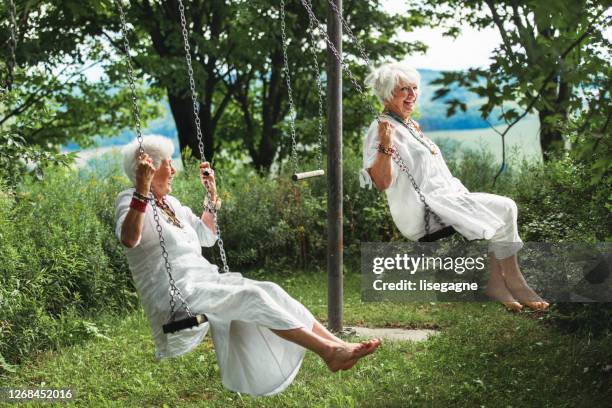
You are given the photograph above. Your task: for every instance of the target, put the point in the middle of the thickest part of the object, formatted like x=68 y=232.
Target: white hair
x=383 y=79
x=158 y=147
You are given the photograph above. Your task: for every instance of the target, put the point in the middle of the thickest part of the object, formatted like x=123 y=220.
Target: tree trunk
x=552 y=117
x=551 y=139
x=271 y=116
x=182 y=112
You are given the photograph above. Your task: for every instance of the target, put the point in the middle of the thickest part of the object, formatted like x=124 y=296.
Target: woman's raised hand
x=385 y=133
x=144 y=174
x=207 y=176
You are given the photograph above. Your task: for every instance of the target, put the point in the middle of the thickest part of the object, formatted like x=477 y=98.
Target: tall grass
x=60 y=261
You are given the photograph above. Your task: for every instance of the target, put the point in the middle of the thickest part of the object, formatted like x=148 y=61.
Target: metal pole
x=335 y=242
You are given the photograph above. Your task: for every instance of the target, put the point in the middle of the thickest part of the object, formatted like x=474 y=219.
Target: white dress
x=473 y=215
x=241 y=311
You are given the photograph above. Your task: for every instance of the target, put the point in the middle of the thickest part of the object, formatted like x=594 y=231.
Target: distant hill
x=432 y=116
x=433 y=113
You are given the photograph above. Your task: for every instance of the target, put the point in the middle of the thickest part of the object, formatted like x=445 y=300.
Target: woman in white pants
x=473 y=215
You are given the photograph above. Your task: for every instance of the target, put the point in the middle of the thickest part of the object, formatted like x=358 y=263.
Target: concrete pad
x=394 y=334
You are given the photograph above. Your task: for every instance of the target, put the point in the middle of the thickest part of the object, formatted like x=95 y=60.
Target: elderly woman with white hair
x=258 y=330
x=473 y=215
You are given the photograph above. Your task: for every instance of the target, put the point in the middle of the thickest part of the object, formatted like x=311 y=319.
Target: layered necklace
x=414 y=130
x=170 y=214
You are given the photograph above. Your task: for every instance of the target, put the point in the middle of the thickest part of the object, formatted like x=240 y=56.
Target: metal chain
x=313 y=49
x=12 y=62
x=174 y=290
x=339 y=58
x=413 y=131
x=348 y=30
x=128 y=61
x=428 y=211
x=292 y=114
x=345 y=67
x=194 y=93
x=196 y=118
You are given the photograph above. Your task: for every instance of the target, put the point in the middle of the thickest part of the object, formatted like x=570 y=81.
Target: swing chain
x=313 y=49
x=192 y=86
x=128 y=60
x=292 y=113
x=396 y=156
x=196 y=116
x=428 y=211
x=348 y=30
x=174 y=290
x=334 y=51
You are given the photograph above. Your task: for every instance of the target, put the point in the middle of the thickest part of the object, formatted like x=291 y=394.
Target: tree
x=52 y=100
x=237 y=55
x=552 y=59
x=261 y=97
x=236 y=51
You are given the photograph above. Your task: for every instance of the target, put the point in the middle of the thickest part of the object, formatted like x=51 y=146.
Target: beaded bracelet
x=138 y=205
x=140 y=196
x=388 y=150
x=211 y=208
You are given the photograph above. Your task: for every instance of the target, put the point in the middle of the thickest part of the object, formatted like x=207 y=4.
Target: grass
x=484 y=356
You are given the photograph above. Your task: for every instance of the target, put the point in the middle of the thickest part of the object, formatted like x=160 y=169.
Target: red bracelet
x=138 y=205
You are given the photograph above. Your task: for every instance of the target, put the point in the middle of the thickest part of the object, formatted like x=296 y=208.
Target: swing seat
x=185 y=323
x=434 y=236
x=307 y=174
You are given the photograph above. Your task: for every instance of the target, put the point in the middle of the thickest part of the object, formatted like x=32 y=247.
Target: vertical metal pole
x=335 y=242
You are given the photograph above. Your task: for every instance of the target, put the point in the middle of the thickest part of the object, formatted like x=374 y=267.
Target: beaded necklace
x=165 y=207
x=414 y=130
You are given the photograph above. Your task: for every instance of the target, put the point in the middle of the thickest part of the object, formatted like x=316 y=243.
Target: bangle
x=140 y=206
x=140 y=197
x=388 y=150
x=211 y=206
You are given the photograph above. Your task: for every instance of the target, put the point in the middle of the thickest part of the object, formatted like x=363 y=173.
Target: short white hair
x=383 y=79
x=158 y=147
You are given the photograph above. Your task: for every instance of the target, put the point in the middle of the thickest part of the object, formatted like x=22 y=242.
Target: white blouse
x=183 y=246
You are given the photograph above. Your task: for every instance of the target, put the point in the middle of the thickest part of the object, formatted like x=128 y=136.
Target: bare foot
x=365 y=347
x=345 y=356
x=497 y=290
x=521 y=291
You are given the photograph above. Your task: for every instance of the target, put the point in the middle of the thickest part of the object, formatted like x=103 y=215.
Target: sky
x=470 y=50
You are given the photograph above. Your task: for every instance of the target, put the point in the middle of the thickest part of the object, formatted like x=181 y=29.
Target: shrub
x=60 y=261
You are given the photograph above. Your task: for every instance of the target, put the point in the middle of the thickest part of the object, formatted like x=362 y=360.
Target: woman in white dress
x=258 y=330
x=473 y=215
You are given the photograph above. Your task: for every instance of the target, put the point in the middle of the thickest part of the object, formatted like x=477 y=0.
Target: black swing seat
x=185 y=323
x=307 y=174
x=434 y=236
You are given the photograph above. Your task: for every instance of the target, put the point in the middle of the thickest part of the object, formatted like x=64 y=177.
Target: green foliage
x=16 y=155
x=237 y=62
x=552 y=59
x=557 y=203
x=54 y=100
x=272 y=221
x=60 y=261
